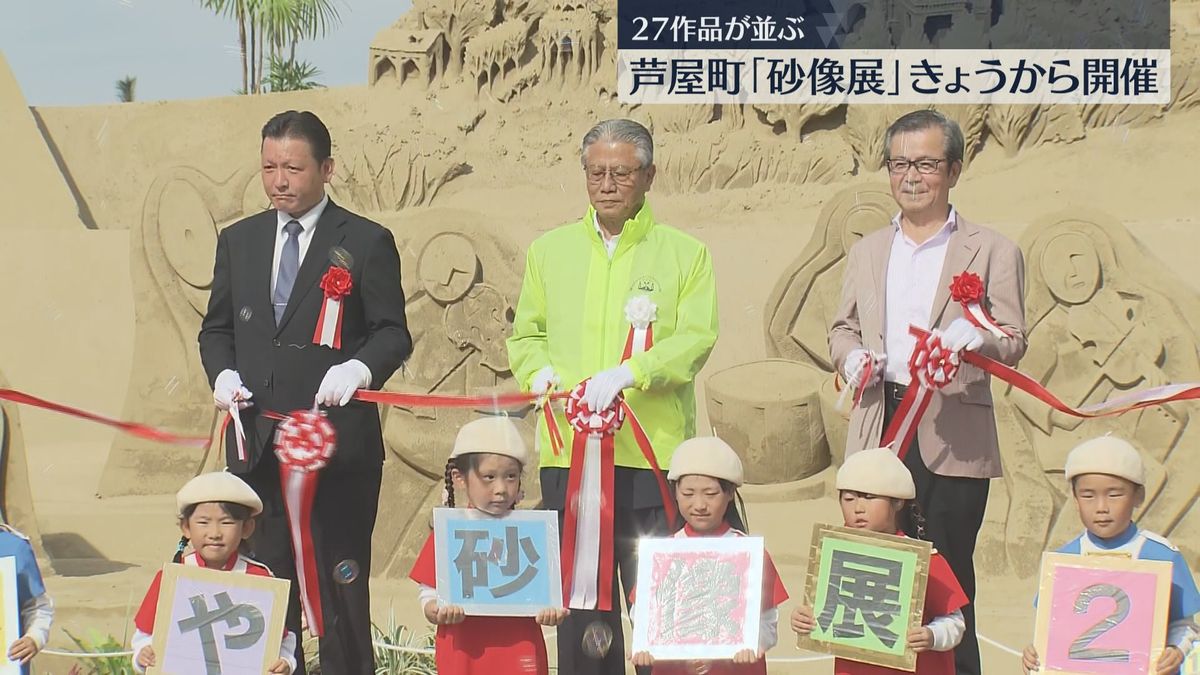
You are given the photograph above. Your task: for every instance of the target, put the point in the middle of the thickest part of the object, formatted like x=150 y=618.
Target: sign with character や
x=213 y=622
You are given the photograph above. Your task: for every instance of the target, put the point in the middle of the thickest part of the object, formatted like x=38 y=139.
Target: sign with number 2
x=1101 y=615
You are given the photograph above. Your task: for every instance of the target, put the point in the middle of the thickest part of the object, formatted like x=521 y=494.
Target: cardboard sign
x=489 y=566
x=1101 y=615
x=213 y=622
x=866 y=590
x=698 y=597
x=9 y=613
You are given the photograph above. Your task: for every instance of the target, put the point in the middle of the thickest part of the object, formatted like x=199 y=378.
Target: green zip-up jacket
x=571 y=316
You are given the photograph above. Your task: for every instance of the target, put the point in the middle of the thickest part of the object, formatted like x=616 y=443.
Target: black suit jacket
x=281 y=365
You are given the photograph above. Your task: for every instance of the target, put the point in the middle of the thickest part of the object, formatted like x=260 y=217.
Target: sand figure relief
x=1107 y=318
x=461 y=286
x=173 y=245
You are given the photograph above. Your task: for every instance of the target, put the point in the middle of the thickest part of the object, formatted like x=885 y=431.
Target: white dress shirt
x=913 y=273
x=308 y=225
x=610 y=243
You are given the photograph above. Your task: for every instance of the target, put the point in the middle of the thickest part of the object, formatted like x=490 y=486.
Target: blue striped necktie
x=289 y=264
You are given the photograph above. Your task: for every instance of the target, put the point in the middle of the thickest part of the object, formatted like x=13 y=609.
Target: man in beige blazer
x=901 y=275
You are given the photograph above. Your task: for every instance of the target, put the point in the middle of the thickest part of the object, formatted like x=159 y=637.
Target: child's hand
x=145 y=657
x=802 y=620
x=920 y=639
x=445 y=615
x=280 y=667
x=697 y=667
x=1169 y=662
x=22 y=650
x=1030 y=662
x=552 y=616
x=747 y=656
x=642 y=659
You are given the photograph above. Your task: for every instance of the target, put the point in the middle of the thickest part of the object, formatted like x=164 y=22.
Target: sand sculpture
x=464 y=145
x=461 y=288
x=34 y=169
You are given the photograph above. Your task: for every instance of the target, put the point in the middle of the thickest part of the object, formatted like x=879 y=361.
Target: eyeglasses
x=620 y=175
x=922 y=165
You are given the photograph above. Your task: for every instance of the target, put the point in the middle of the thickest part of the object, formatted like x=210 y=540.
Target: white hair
x=621 y=131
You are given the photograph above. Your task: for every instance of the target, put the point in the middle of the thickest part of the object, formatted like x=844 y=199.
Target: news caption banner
x=906 y=52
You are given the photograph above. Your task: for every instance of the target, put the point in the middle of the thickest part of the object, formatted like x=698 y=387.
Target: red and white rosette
x=932 y=367
x=304 y=443
x=337 y=284
x=587 y=536
x=641 y=313
x=587 y=546
x=967 y=290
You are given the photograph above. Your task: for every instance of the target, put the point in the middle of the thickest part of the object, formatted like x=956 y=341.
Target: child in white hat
x=1107 y=480
x=488 y=459
x=216 y=514
x=705 y=474
x=876 y=493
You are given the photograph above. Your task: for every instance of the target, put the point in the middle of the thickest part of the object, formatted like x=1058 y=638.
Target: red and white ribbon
x=588 y=518
x=641 y=313
x=864 y=376
x=304 y=443
x=132 y=428
x=932 y=367
x=336 y=284
x=1117 y=405
x=967 y=290
x=587 y=536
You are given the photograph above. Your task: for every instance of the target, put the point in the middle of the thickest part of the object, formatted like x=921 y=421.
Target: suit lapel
x=880 y=254
x=960 y=253
x=316 y=259
x=261 y=244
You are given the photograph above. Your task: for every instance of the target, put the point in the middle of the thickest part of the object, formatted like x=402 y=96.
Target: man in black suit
x=258 y=349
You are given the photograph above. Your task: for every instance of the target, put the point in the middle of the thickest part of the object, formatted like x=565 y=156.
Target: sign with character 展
x=866 y=590
x=213 y=622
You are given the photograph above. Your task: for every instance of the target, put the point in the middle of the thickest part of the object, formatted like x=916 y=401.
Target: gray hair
x=920 y=120
x=621 y=131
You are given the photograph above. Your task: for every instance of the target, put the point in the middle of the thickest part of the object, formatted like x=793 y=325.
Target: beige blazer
x=957 y=435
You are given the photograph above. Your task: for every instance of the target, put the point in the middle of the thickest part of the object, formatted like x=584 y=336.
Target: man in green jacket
x=630 y=305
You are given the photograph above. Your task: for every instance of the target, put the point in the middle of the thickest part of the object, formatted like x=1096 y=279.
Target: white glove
x=962 y=334
x=605 y=385
x=853 y=365
x=228 y=390
x=543 y=381
x=342 y=380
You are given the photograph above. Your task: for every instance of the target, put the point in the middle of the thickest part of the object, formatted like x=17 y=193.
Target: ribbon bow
x=304 y=444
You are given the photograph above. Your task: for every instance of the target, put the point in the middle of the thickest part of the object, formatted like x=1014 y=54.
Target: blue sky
x=71 y=52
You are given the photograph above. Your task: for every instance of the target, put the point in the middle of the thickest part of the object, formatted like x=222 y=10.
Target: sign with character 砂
x=213 y=622
x=866 y=590
x=1101 y=614
x=497 y=566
